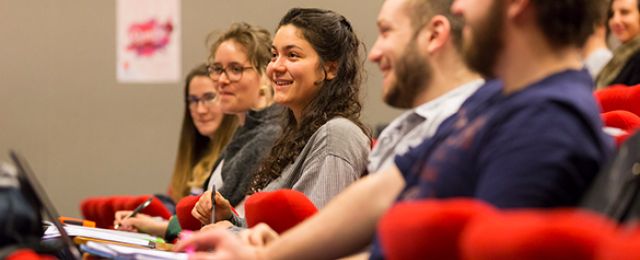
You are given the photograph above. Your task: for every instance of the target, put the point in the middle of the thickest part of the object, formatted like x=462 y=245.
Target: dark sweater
x=249 y=146
x=243 y=155
x=630 y=73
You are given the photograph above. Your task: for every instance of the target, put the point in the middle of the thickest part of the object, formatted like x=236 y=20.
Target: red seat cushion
x=619 y=97
x=183 y=212
x=621 y=119
x=27 y=254
x=536 y=234
x=427 y=229
x=281 y=210
x=624 y=245
x=102 y=209
x=624 y=120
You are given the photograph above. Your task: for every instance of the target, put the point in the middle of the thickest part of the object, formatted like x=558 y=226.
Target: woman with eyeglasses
x=237 y=67
x=316 y=71
x=205 y=133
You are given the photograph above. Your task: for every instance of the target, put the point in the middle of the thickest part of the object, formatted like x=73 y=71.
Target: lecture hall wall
x=84 y=133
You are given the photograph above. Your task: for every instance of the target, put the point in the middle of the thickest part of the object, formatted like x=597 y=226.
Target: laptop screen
x=31 y=186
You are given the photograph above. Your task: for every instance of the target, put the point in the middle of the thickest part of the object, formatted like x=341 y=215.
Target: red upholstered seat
x=619 y=97
x=102 y=209
x=536 y=234
x=428 y=229
x=27 y=254
x=626 y=121
x=621 y=119
x=281 y=210
x=624 y=245
x=183 y=212
x=88 y=207
x=105 y=209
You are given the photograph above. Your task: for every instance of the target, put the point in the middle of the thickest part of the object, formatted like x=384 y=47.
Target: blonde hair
x=255 y=39
x=197 y=153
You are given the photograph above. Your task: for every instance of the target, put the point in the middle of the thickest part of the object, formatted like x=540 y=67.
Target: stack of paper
x=104 y=234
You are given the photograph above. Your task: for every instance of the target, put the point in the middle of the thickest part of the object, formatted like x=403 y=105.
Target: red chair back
x=624 y=245
x=183 y=212
x=536 y=234
x=281 y=210
x=428 y=229
x=102 y=209
x=619 y=97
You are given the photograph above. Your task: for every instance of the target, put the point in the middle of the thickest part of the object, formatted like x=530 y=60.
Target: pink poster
x=148 y=41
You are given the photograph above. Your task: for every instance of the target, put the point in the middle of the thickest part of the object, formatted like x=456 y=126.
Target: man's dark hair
x=567 y=22
x=603 y=12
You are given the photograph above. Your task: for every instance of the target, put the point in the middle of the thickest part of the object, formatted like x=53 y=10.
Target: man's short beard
x=412 y=73
x=482 y=50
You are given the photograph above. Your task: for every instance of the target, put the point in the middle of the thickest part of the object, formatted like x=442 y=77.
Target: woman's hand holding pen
x=202 y=210
x=139 y=223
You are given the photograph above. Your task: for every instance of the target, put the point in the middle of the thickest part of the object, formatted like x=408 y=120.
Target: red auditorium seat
x=619 y=97
x=428 y=229
x=536 y=234
x=102 y=209
x=183 y=212
x=26 y=254
x=624 y=245
x=281 y=210
x=623 y=120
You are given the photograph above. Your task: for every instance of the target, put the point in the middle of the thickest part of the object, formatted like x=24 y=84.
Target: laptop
x=30 y=186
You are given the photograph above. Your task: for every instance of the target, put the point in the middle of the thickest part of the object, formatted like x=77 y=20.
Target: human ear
x=330 y=70
x=440 y=32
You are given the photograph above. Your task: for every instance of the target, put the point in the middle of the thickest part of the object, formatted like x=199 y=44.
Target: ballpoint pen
x=137 y=210
x=213 y=204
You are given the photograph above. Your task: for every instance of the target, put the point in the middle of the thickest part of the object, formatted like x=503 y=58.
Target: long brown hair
x=333 y=38
x=196 y=153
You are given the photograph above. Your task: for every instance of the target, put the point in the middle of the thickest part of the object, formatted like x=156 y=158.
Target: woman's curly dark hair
x=333 y=38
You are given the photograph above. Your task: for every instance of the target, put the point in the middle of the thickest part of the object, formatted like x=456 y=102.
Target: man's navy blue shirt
x=537 y=147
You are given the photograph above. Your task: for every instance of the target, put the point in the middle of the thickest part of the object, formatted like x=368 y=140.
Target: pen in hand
x=137 y=210
x=213 y=204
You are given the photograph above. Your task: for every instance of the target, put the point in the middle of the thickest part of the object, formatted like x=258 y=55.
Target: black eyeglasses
x=233 y=71
x=207 y=100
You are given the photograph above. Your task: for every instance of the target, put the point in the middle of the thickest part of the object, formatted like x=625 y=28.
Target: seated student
x=624 y=23
x=520 y=141
x=433 y=85
x=316 y=72
x=238 y=61
x=595 y=53
x=204 y=134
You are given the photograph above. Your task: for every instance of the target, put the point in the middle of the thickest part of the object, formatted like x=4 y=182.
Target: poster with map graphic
x=148 y=41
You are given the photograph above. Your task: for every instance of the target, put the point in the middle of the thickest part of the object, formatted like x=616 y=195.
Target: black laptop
x=31 y=187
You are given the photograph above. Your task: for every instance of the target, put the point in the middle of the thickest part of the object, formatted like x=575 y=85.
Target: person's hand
x=226 y=245
x=225 y=224
x=259 y=235
x=202 y=210
x=140 y=223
